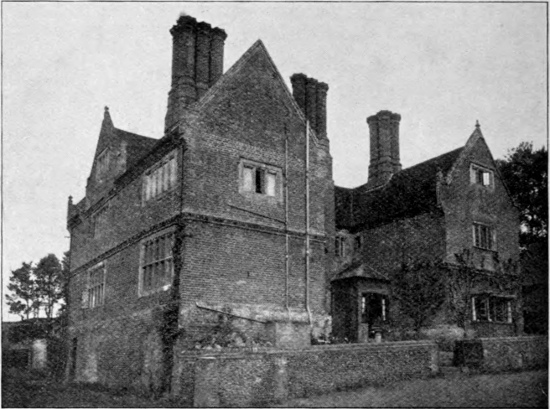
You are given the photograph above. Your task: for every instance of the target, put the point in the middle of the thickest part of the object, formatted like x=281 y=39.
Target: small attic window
x=102 y=163
x=481 y=176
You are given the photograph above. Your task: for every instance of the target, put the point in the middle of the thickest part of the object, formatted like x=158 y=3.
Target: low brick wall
x=248 y=378
x=512 y=353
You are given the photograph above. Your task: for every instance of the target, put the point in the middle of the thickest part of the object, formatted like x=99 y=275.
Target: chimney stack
x=384 y=147
x=197 y=63
x=311 y=96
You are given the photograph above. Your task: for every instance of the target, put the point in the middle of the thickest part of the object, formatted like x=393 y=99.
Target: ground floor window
x=94 y=293
x=374 y=308
x=491 y=309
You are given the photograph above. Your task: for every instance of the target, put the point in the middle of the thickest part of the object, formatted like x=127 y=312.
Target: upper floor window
x=484 y=236
x=491 y=309
x=260 y=179
x=156 y=267
x=161 y=178
x=340 y=246
x=481 y=176
x=94 y=293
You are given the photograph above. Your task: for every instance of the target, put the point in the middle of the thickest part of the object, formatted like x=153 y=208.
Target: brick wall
x=244 y=379
x=414 y=239
x=513 y=353
x=464 y=203
x=234 y=246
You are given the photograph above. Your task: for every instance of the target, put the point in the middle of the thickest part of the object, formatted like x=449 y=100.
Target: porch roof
x=361 y=270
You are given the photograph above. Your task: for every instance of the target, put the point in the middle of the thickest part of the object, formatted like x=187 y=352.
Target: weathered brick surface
x=425 y=213
x=233 y=246
x=244 y=379
x=464 y=203
x=513 y=353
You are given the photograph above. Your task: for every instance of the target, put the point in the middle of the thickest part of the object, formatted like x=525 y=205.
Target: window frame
x=479 y=173
x=491 y=314
x=165 y=233
x=340 y=246
x=160 y=178
x=94 y=290
x=490 y=236
x=259 y=182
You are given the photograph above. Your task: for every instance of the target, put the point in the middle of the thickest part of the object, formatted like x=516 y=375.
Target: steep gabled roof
x=410 y=192
x=257 y=48
x=137 y=146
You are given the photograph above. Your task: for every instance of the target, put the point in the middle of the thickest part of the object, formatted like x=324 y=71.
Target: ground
x=520 y=389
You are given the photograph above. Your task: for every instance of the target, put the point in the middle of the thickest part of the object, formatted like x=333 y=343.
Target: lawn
x=519 y=389
x=34 y=389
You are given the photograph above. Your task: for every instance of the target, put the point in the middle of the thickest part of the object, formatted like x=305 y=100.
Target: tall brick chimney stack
x=197 y=63
x=216 y=54
x=311 y=96
x=384 y=147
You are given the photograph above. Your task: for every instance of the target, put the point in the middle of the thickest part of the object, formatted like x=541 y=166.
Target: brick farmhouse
x=228 y=231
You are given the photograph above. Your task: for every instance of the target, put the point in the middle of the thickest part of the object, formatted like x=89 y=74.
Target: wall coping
x=513 y=339
x=262 y=351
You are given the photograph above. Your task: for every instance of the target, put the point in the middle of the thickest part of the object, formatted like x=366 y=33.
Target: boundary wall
x=271 y=375
x=505 y=353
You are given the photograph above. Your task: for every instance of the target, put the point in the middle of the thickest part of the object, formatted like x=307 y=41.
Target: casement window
x=161 y=178
x=102 y=163
x=340 y=246
x=260 y=179
x=157 y=266
x=491 y=309
x=357 y=243
x=99 y=222
x=94 y=293
x=484 y=237
x=481 y=176
x=374 y=308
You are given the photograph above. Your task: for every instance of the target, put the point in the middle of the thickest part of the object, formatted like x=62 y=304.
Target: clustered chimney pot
x=384 y=147
x=197 y=63
x=311 y=96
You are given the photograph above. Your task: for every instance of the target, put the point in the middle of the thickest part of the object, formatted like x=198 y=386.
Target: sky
x=442 y=66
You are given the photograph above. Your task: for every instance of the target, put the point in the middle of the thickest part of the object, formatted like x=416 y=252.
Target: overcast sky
x=441 y=66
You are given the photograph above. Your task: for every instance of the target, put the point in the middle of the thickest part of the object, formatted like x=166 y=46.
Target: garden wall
x=248 y=378
x=502 y=354
x=508 y=353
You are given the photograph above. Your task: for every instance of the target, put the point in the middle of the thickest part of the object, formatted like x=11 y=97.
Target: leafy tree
x=48 y=282
x=24 y=299
x=36 y=288
x=525 y=172
x=460 y=286
x=420 y=289
x=65 y=270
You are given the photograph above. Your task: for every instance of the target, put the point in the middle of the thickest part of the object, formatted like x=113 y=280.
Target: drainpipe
x=287 y=259
x=307 y=223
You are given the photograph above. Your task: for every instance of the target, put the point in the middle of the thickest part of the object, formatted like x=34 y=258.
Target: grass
x=519 y=389
x=24 y=389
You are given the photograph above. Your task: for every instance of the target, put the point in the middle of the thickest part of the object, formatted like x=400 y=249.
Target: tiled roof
x=410 y=192
x=361 y=270
x=138 y=145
